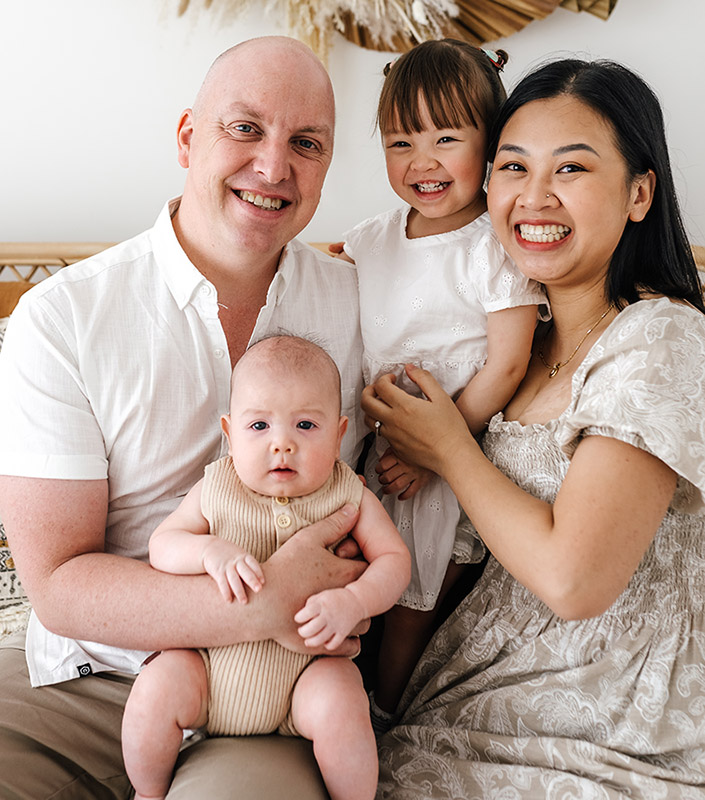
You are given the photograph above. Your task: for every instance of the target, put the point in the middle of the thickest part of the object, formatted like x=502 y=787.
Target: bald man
x=115 y=373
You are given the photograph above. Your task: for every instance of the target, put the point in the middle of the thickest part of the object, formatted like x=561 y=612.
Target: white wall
x=91 y=91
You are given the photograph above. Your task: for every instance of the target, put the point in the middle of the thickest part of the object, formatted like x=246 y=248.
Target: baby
x=282 y=473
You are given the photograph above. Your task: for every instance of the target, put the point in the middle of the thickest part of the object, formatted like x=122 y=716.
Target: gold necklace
x=555 y=367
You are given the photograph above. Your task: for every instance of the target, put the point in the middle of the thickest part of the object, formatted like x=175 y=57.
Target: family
x=527 y=370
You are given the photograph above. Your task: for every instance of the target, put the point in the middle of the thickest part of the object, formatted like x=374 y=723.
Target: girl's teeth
x=543 y=233
x=273 y=203
x=436 y=186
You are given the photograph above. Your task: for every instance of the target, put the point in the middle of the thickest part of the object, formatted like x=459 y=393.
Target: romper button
x=283 y=521
x=282 y=501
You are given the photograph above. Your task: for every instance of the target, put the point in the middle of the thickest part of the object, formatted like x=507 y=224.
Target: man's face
x=257 y=146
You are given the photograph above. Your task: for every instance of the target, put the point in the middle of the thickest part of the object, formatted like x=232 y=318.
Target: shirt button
x=205 y=290
x=218 y=353
x=283 y=521
x=282 y=501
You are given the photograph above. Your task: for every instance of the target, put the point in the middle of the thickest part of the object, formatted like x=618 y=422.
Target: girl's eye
x=445 y=139
x=306 y=425
x=398 y=144
x=259 y=426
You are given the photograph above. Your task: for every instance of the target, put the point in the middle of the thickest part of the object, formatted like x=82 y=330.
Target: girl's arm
x=510 y=334
x=577 y=554
x=183 y=545
x=329 y=616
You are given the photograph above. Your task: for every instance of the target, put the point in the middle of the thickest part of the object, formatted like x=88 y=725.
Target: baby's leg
x=170 y=694
x=330 y=707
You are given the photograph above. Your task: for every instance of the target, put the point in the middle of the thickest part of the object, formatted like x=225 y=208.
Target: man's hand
x=303 y=567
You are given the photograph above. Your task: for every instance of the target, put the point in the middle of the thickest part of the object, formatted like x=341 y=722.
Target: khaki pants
x=63 y=742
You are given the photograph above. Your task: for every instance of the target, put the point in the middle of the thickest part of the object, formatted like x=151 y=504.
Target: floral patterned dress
x=509 y=701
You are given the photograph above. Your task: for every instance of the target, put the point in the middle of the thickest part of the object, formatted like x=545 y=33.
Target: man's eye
x=259 y=426
x=243 y=127
x=307 y=144
x=306 y=425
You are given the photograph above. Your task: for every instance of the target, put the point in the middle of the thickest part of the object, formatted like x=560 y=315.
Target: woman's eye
x=512 y=166
x=572 y=168
x=306 y=425
x=259 y=426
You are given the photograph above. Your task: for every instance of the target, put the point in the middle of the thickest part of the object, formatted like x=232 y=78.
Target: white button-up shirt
x=117 y=367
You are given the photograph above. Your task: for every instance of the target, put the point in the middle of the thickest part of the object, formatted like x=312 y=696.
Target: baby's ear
x=342 y=427
x=225 y=425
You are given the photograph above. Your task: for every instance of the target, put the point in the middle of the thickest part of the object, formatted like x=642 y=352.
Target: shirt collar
x=179 y=274
x=182 y=277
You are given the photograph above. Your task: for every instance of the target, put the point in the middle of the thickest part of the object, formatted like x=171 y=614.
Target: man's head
x=257 y=144
x=284 y=428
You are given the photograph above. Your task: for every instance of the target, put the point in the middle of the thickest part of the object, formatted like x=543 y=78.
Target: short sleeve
x=500 y=284
x=47 y=427
x=643 y=383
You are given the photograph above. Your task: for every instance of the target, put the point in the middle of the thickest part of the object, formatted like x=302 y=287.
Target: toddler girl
x=436 y=288
x=284 y=432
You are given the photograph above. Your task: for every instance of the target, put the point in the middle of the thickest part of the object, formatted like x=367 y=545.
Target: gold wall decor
x=397 y=25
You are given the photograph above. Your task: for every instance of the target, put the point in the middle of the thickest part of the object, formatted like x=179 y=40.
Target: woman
x=575 y=666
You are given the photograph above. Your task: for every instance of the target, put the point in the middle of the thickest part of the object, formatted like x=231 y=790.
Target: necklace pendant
x=554 y=370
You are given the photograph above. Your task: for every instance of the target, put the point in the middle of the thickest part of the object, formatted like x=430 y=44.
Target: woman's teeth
x=273 y=203
x=543 y=233
x=434 y=186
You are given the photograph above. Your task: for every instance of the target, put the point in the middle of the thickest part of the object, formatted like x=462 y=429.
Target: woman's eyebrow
x=559 y=151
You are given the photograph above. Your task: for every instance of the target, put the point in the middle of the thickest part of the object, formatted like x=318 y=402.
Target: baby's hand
x=232 y=568
x=396 y=476
x=328 y=617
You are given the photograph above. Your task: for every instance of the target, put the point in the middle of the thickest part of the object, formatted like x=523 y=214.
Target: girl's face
x=559 y=194
x=439 y=173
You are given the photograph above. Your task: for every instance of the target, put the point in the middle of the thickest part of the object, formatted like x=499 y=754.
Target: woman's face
x=559 y=195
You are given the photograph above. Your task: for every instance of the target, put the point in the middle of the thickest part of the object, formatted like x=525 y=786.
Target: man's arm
x=56 y=530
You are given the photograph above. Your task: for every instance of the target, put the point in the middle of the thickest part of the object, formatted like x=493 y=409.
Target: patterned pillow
x=14 y=606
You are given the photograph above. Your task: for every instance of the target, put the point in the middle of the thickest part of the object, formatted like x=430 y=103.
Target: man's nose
x=272 y=160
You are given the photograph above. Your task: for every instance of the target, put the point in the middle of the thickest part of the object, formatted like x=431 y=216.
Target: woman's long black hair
x=653 y=256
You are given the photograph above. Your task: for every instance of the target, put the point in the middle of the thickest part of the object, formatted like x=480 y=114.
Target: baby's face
x=284 y=433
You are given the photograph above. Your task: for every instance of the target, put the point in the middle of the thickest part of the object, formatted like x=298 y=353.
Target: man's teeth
x=434 y=186
x=274 y=203
x=543 y=233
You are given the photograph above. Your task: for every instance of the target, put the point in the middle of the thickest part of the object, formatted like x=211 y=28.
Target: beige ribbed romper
x=250 y=684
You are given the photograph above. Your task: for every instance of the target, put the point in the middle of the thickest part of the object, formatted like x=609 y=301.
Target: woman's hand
x=422 y=431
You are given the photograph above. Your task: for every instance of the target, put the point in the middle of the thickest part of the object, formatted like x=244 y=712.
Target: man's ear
x=184 y=132
x=225 y=425
x=342 y=427
x=642 y=195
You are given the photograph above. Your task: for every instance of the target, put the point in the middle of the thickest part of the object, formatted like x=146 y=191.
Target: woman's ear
x=642 y=195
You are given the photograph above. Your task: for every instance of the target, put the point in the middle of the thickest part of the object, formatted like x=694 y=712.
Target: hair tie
x=389 y=65
x=498 y=60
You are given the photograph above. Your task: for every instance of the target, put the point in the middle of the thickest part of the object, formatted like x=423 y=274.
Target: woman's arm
x=510 y=333
x=578 y=554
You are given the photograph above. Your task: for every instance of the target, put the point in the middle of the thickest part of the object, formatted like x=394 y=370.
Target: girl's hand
x=422 y=431
x=232 y=568
x=399 y=477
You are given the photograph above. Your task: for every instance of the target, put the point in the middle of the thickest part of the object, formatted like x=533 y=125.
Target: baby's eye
x=306 y=425
x=259 y=426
